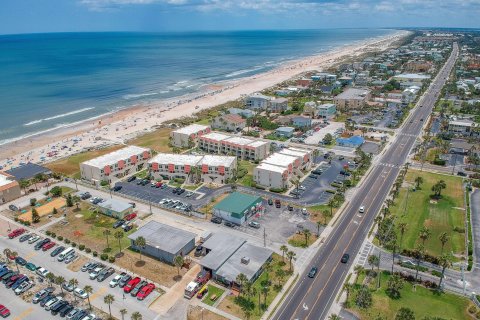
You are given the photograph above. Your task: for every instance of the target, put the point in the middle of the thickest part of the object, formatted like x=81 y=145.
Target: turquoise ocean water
x=53 y=80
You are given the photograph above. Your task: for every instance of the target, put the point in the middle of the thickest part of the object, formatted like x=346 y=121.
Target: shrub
x=15 y=219
x=48 y=233
x=60 y=238
x=88 y=250
x=330 y=191
x=277 y=190
x=104 y=183
x=439 y=162
x=95 y=253
x=73 y=244
x=104 y=256
x=436 y=273
x=33 y=202
x=472 y=309
x=53 y=235
x=459 y=229
x=111 y=259
x=81 y=247
x=67 y=241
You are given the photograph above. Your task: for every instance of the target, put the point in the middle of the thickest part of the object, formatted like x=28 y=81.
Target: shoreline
x=124 y=124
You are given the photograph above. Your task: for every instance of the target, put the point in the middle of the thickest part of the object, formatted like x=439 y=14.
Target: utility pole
x=264 y=237
x=454 y=162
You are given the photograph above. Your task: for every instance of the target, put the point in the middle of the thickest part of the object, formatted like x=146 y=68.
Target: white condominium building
x=187 y=137
x=193 y=168
x=241 y=147
x=115 y=165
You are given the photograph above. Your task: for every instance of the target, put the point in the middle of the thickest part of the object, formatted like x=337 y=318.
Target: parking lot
x=43 y=259
x=317 y=136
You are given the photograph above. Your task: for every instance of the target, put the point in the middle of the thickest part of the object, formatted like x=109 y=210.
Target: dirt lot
x=77 y=264
x=44 y=210
x=159 y=272
x=195 y=313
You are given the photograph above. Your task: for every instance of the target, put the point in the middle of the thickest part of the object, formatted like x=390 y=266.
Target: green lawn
x=157 y=140
x=423 y=302
x=247 y=179
x=205 y=122
x=440 y=216
x=71 y=166
x=212 y=290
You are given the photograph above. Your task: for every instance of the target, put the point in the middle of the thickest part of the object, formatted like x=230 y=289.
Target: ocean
x=53 y=80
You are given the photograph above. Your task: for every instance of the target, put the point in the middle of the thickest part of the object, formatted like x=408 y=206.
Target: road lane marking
x=24 y=314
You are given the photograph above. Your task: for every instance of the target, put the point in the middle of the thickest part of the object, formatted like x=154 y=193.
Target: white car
x=94 y=274
x=50 y=303
x=115 y=281
x=33 y=239
x=362 y=209
x=42 y=272
x=163 y=201
x=80 y=293
x=304 y=211
x=91 y=316
x=23 y=287
x=302 y=188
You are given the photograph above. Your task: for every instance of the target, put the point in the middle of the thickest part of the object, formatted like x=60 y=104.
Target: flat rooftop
x=237 y=203
x=193 y=128
x=294 y=152
x=27 y=171
x=215 y=136
x=239 y=140
x=176 y=159
x=271 y=167
x=113 y=157
x=353 y=94
x=166 y=238
x=258 y=143
x=254 y=258
x=115 y=205
x=414 y=76
x=6 y=179
x=281 y=160
x=222 y=246
x=215 y=161
x=466 y=123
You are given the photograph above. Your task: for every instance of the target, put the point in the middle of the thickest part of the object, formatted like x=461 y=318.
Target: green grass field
x=246 y=180
x=418 y=210
x=157 y=140
x=71 y=166
x=423 y=302
x=212 y=290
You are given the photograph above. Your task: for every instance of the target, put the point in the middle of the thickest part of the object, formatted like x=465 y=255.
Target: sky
x=33 y=16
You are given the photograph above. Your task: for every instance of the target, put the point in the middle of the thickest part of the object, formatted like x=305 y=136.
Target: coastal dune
x=130 y=122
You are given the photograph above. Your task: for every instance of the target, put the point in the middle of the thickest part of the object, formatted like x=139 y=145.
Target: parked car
x=57 y=251
x=312 y=272
x=42 y=272
x=30 y=266
x=131 y=285
x=19 y=281
x=124 y=280
x=117 y=188
x=254 y=224
x=41 y=243
x=65 y=310
x=127 y=228
x=145 y=291
x=105 y=274
x=132 y=178
x=130 y=216
x=270 y=201
x=58 y=306
x=114 y=282
x=289 y=207
x=71 y=314
x=278 y=204
x=313 y=176
x=137 y=288
x=10 y=281
x=13 y=207
x=15 y=233
x=25 y=286
x=68 y=286
x=87 y=265
x=46 y=299
x=48 y=246
x=94 y=274
x=80 y=315
x=4 y=311
x=90 y=316
x=70 y=258
x=41 y=294
x=80 y=293
x=229 y=224
x=20 y=261
x=51 y=302
x=25 y=237
x=33 y=238
x=118 y=223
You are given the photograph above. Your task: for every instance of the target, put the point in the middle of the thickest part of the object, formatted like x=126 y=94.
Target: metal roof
x=115 y=205
x=237 y=203
x=222 y=246
x=193 y=128
x=163 y=237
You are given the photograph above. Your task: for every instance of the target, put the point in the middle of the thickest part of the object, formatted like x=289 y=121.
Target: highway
x=312 y=298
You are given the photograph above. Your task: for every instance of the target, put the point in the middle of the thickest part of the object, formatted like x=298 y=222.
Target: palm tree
x=265 y=290
x=418 y=182
x=306 y=233
x=357 y=269
x=347 y=287
x=446 y=262
x=241 y=279
x=73 y=282
x=88 y=290
x=331 y=203
x=443 y=239
x=140 y=242
x=438 y=187
x=291 y=255
x=284 y=250
x=403 y=228
x=334 y=317
x=106 y=233
x=268 y=268
x=8 y=253
x=178 y=261
x=419 y=253
x=373 y=261
x=24 y=185
x=119 y=235
x=108 y=299
x=50 y=277
x=60 y=280
x=424 y=234
x=123 y=312
x=136 y=316
x=319 y=224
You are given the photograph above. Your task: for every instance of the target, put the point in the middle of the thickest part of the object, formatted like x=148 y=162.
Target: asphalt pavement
x=312 y=298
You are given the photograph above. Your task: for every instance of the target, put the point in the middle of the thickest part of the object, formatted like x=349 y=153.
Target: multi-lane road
x=312 y=298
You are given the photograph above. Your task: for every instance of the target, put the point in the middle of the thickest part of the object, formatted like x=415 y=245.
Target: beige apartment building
x=242 y=147
x=9 y=188
x=187 y=137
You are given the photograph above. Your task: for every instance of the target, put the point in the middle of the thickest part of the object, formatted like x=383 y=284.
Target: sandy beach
x=125 y=124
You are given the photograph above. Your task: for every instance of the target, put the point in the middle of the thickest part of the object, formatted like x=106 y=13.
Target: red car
x=130 y=216
x=48 y=245
x=4 y=312
x=15 y=233
x=131 y=284
x=145 y=291
x=158 y=185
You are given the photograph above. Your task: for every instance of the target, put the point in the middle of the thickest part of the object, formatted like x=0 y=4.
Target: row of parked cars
x=175 y=204
x=58 y=305
x=135 y=286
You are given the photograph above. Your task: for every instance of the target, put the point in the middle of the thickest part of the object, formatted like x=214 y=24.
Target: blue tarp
x=354 y=141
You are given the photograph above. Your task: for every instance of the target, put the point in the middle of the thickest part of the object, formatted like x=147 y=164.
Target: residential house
x=302 y=122
x=257 y=101
x=9 y=188
x=279 y=105
x=286 y=132
x=229 y=122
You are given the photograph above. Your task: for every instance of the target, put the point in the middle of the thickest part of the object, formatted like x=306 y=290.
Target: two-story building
x=242 y=147
x=187 y=137
x=463 y=127
x=229 y=122
x=278 y=105
x=115 y=165
x=321 y=111
x=9 y=188
x=352 y=98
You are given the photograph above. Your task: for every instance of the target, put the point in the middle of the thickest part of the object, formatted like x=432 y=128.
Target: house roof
x=233 y=118
x=113 y=157
x=115 y=205
x=6 y=181
x=193 y=128
x=285 y=129
x=163 y=237
x=221 y=246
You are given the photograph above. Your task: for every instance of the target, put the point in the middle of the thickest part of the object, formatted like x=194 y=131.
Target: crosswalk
x=364 y=253
x=407 y=135
x=388 y=165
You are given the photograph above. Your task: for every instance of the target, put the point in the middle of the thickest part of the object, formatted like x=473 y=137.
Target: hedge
x=104 y=256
